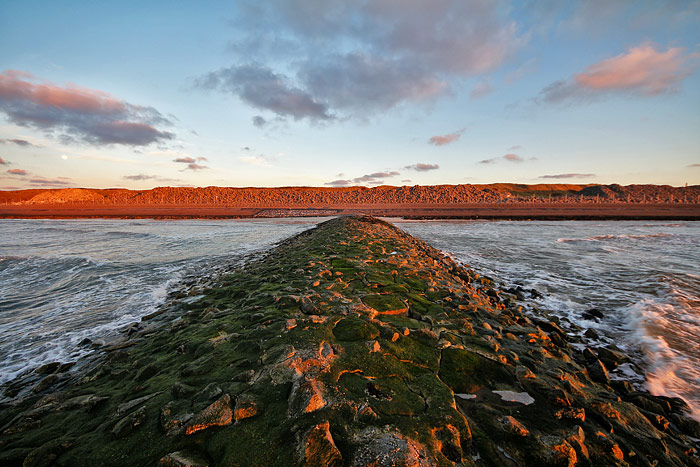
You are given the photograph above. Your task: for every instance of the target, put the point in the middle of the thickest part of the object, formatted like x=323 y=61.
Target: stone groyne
x=352 y=344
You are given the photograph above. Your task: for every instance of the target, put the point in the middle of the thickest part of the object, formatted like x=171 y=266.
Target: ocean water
x=643 y=276
x=62 y=281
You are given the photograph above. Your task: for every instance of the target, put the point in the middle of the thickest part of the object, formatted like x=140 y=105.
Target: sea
x=62 y=281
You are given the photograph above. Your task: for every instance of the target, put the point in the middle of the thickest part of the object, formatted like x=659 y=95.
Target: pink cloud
x=3 y=161
x=421 y=167
x=480 y=90
x=444 y=139
x=642 y=70
x=17 y=172
x=80 y=113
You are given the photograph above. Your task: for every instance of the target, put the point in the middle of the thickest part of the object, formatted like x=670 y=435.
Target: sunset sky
x=339 y=93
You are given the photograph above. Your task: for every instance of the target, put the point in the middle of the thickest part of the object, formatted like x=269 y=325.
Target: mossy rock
x=355 y=329
x=468 y=372
x=384 y=302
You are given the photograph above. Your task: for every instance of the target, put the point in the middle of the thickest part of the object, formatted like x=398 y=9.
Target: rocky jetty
x=352 y=344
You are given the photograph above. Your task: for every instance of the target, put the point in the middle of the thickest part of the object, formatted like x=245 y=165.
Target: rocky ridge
x=351 y=344
x=308 y=196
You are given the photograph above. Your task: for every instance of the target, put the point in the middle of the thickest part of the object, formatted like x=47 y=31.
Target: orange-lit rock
x=217 y=414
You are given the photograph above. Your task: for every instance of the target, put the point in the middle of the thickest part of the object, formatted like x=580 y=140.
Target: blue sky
x=340 y=93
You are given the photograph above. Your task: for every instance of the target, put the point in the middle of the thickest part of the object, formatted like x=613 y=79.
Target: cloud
x=259 y=121
x=18 y=142
x=421 y=167
x=691 y=165
x=372 y=179
x=191 y=162
x=571 y=175
x=141 y=177
x=48 y=182
x=510 y=157
x=340 y=183
x=195 y=167
x=320 y=60
x=641 y=71
x=17 y=172
x=441 y=140
x=78 y=114
x=481 y=89
x=262 y=88
x=4 y=162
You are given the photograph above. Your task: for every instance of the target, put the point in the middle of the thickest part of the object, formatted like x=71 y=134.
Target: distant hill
x=307 y=196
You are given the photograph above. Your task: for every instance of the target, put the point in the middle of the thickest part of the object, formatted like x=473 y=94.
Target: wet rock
x=514 y=427
x=387 y=448
x=320 y=449
x=183 y=459
x=173 y=419
x=45 y=383
x=48 y=368
x=686 y=425
x=591 y=334
x=146 y=372
x=559 y=452
x=128 y=424
x=247 y=406
x=46 y=454
x=355 y=329
x=210 y=392
x=217 y=414
x=598 y=372
x=87 y=402
x=593 y=314
x=181 y=390
x=128 y=406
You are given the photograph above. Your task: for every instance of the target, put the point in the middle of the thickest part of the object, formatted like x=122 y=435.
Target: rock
x=146 y=373
x=686 y=425
x=514 y=427
x=180 y=390
x=355 y=329
x=48 y=368
x=561 y=453
x=46 y=454
x=386 y=448
x=246 y=406
x=593 y=314
x=598 y=372
x=183 y=459
x=128 y=424
x=127 y=406
x=173 y=421
x=320 y=449
x=88 y=401
x=45 y=383
x=217 y=414
x=591 y=334
x=210 y=392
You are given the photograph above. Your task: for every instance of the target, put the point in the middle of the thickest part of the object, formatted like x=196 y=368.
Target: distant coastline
x=495 y=201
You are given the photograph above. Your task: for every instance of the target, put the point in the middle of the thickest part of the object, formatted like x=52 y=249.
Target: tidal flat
x=349 y=344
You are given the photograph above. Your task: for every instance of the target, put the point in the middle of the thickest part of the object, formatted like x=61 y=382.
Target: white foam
x=511 y=396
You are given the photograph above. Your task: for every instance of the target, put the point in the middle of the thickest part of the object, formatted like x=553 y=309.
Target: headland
x=351 y=344
x=495 y=201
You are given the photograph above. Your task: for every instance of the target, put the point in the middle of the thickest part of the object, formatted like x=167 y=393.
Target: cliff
x=350 y=344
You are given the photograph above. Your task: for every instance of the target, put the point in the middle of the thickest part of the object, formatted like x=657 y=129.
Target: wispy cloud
x=694 y=165
x=421 y=167
x=372 y=179
x=141 y=177
x=641 y=71
x=18 y=142
x=77 y=113
x=191 y=163
x=17 y=172
x=569 y=175
x=441 y=140
x=51 y=182
x=4 y=162
x=510 y=157
x=481 y=89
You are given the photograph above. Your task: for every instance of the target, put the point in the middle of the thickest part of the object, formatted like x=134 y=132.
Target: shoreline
x=487 y=211
x=342 y=341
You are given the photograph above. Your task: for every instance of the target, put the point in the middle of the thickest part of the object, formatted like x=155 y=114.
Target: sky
x=341 y=93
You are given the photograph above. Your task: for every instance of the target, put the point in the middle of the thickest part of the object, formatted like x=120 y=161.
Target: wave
x=598 y=238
